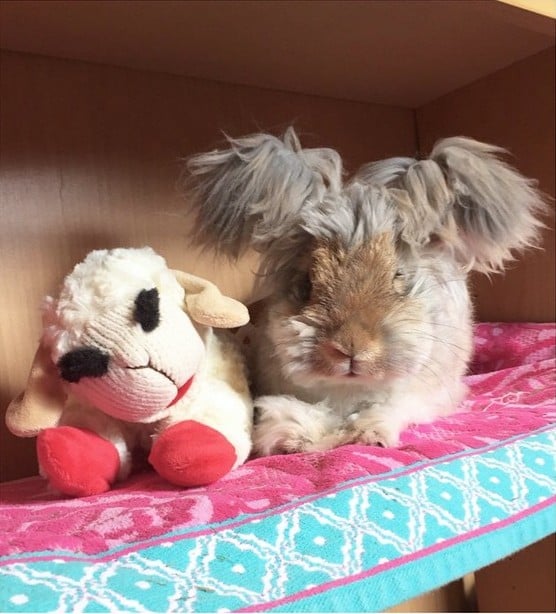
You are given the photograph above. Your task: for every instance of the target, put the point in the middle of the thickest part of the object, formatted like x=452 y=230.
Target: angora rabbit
x=368 y=325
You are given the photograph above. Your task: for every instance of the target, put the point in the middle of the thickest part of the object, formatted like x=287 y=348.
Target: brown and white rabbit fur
x=367 y=326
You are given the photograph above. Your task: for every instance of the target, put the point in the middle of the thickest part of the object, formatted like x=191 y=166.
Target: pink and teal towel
x=355 y=529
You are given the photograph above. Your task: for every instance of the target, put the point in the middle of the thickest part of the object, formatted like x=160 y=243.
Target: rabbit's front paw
x=285 y=425
x=286 y=438
x=375 y=430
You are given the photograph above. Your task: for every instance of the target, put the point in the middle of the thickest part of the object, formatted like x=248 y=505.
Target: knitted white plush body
x=129 y=359
x=218 y=398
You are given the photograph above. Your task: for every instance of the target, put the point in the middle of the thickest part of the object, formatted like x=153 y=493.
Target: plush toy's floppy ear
x=206 y=305
x=40 y=405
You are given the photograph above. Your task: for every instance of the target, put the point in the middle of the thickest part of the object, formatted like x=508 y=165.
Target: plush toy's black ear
x=467 y=198
x=251 y=193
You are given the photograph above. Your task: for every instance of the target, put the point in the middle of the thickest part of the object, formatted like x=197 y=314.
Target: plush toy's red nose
x=192 y=454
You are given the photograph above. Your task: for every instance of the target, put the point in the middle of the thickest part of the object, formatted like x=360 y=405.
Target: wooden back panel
x=90 y=159
x=513 y=108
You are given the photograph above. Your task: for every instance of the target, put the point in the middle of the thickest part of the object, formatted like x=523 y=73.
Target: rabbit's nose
x=337 y=351
x=349 y=361
x=357 y=350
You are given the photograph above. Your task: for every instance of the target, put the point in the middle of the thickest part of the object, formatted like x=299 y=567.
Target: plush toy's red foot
x=192 y=454
x=77 y=462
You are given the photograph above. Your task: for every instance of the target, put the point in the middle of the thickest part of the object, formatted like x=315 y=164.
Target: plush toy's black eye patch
x=147 y=311
x=83 y=362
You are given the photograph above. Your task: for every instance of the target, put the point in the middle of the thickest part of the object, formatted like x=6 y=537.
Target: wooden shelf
x=396 y=52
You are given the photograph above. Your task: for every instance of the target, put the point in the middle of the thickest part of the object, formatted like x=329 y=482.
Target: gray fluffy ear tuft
x=253 y=192
x=417 y=191
x=467 y=197
x=496 y=207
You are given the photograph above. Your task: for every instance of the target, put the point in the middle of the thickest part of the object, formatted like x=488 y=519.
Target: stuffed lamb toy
x=129 y=359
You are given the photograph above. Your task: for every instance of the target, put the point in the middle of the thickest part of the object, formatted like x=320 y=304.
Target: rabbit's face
x=353 y=316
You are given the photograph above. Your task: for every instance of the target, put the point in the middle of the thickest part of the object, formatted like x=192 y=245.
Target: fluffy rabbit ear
x=253 y=192
x=41 y=404
x=466 y=197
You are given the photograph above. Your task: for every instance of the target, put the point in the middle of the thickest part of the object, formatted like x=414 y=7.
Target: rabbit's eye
x=399 y=281
x=304 y=288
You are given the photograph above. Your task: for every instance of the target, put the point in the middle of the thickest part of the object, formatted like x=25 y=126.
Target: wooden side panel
x=90 y=159
x=523 y=582
x=448 y=598
x=513 y=108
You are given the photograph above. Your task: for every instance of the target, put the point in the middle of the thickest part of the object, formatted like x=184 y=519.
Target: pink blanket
x=512 y=393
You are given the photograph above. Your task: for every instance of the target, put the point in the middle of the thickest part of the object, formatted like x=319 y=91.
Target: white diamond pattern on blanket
x=312 y=543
